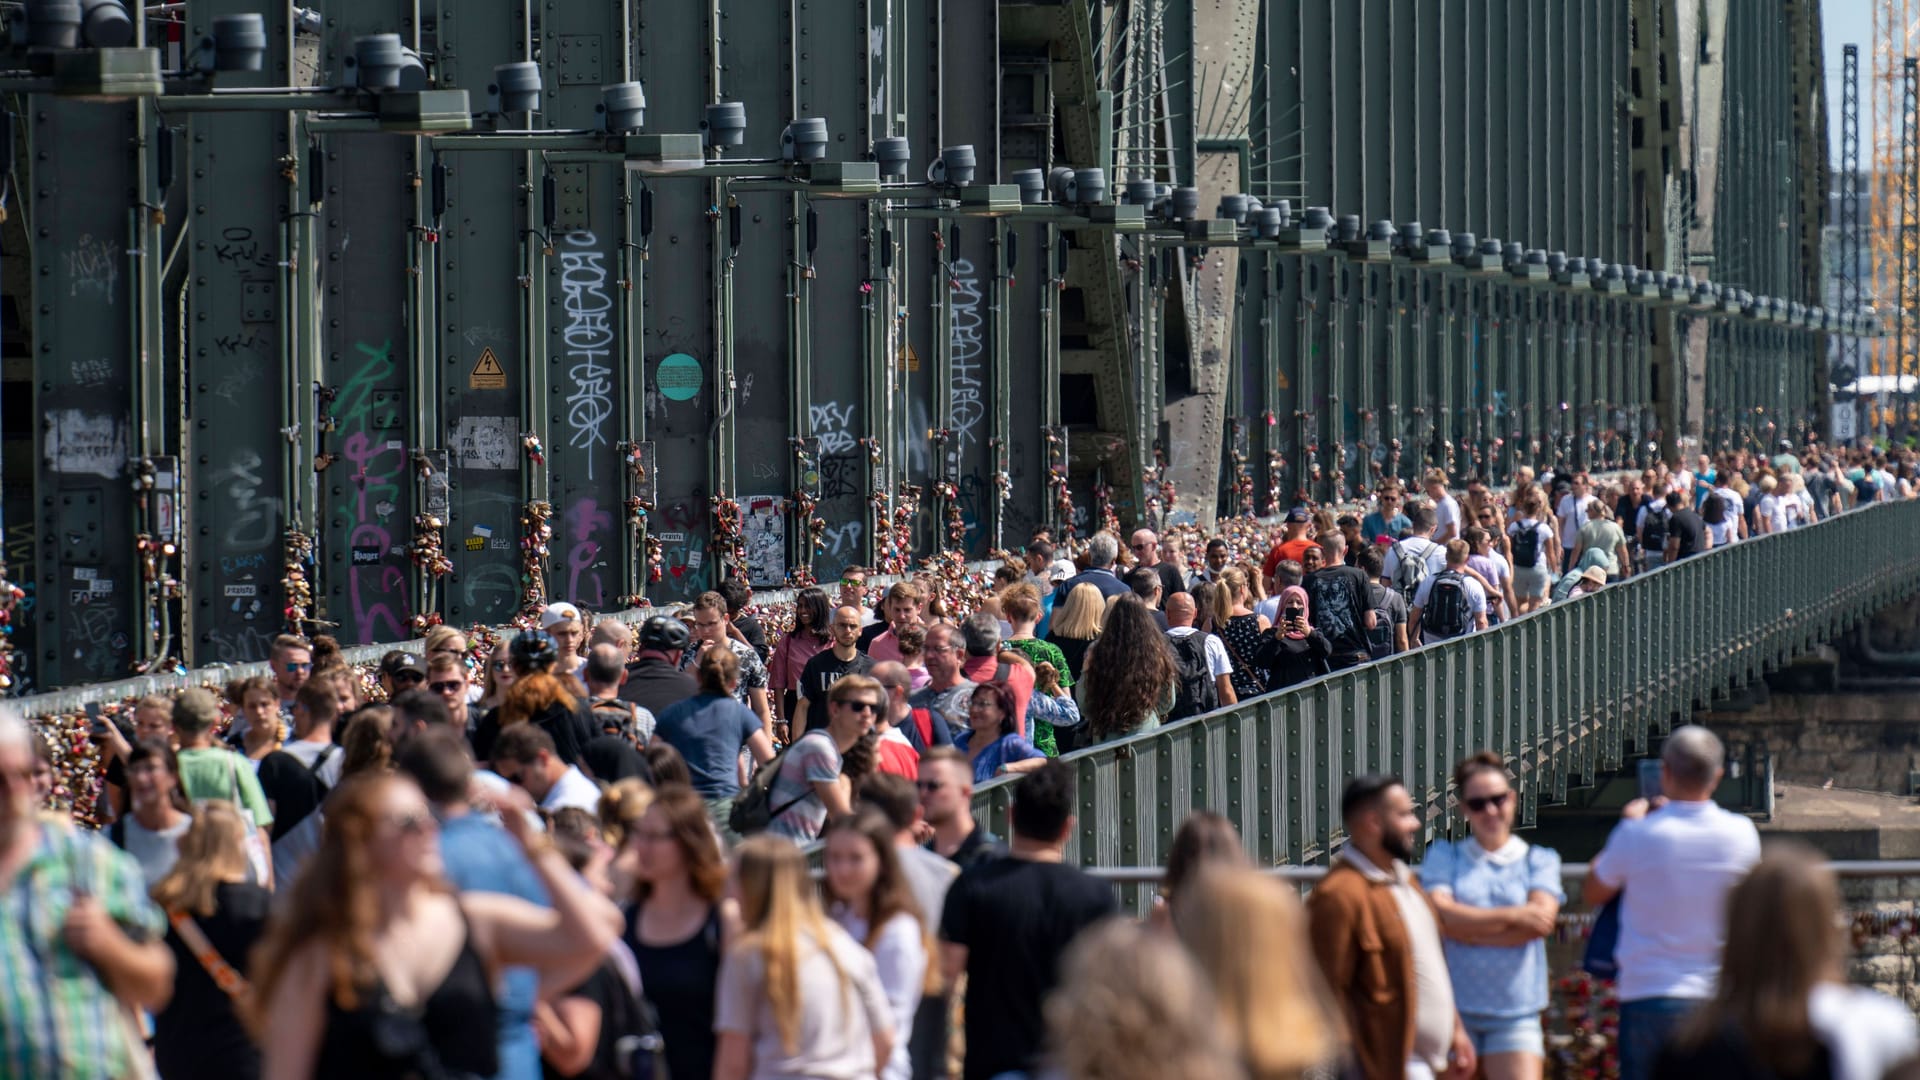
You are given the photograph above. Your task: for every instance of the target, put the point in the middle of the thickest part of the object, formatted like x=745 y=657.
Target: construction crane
x=1895 y=236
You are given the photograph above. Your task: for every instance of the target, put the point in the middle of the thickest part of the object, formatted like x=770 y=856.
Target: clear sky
x=1848 y=22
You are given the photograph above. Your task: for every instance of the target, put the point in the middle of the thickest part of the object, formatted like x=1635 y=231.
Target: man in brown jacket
x=1378 y=943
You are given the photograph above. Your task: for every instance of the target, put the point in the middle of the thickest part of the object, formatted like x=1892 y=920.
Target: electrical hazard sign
x=487 y=374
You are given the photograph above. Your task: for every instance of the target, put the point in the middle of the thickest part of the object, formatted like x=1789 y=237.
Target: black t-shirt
x=198 y=1035
x=818 y=677
x=1687 y=526
x=755 y=635
x=620 y=1017
x=292 y=789
x=1016 y=917
x=1170 y=582
x=1337 y=606
x=1626 y=511
x=867 y=635
x=655 y=685
x=610 y=758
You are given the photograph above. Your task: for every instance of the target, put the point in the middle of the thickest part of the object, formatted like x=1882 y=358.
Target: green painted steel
x=1564 y=694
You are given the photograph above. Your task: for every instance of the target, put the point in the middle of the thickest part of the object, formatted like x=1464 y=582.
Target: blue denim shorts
x=1494 y=1035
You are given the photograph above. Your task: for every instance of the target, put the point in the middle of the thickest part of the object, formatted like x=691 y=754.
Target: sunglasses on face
x=503 y=665
x=291 y=667
x=861 y=706
x=1480 y=803
x=447 y=687
x=407 y=676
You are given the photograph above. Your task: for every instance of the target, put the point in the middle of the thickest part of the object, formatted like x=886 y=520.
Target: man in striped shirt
x=78 y=937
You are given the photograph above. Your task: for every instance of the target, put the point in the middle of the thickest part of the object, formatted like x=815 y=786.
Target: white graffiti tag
x=832 y=424
x=589 y=339
x=968 y=407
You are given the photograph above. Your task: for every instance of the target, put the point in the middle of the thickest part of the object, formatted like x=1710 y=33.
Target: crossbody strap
x=224 y=976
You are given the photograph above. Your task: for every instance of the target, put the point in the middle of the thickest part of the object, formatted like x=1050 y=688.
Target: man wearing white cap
x=563 y=623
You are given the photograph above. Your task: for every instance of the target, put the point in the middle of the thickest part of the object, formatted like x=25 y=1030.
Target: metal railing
x=1565 y=693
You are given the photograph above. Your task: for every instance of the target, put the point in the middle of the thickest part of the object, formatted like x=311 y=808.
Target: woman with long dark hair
x=374 y=968
x=215 y=916
x=679 y=924
x=798 y=997
x=1129 y=681
x=870 y=898
x=811 y=615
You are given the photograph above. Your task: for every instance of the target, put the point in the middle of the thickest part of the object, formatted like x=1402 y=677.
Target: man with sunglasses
x=1146 y=554
x=447 y=677
x=946 y=806
x=809 y=787
x=292 y=660
x=524 y=754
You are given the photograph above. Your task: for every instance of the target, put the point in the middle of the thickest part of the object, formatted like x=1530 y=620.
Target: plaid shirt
x=57 y=1019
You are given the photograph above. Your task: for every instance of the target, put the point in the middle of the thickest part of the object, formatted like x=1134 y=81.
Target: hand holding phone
x=96 y=723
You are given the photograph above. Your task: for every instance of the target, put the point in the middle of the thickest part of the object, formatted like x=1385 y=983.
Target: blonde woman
x=1248 y=934
x=798 y=997
x=1076 y=622
x=1241 y=630
x=1133 y=1006
x=215 y=916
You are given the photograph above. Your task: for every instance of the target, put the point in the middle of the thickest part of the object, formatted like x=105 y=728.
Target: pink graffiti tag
x=374 y=470
x=584 y=520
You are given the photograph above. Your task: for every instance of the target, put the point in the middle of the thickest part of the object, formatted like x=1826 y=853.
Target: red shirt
x=981 y=669
x=897 y=755
x=1292 y=549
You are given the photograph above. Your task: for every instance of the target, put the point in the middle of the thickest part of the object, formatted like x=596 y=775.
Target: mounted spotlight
x=1309 y=233
x=956 y=166
x=1033 y=186
x=725 y=124
x=1141 y=192
x=1269 y=221
x=53 y=24
x=104 y=24
x=805 y=139
x=1090 y=186
x=238 y=42
x=375 y=63
x=623 y=107
x=893 y=153
x=1433 y=248
x=1532 y=267
x=516 y=86
x=1184 y=203
x=1232 y=208
x=1610 y=279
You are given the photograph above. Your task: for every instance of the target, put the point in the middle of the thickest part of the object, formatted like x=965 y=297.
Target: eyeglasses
x=1480 y=803
x=408 y=676
x=861 y=706
x=503 y=665
x=452 y=687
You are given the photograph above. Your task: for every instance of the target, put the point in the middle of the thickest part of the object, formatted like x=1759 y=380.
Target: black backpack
x=753 y=808
x=1198 y=692
x=1653 y=534
x=1447 y=614
x=1526 y=546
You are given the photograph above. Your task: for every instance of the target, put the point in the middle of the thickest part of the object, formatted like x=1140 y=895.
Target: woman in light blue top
x=1498 y=897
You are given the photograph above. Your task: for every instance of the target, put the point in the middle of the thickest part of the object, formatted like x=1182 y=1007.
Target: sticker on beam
x=485 y=442
x=679 y=377
x=487 y=374
x=80 y=442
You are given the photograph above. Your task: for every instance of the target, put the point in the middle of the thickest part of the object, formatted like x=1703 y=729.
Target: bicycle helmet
x=533 y=650
x=665 y=633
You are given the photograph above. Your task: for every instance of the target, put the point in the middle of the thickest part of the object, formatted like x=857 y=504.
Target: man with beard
x=1377 y=939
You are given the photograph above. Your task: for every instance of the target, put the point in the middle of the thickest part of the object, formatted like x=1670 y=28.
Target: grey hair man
x=1102 y=550
x=1671 y=861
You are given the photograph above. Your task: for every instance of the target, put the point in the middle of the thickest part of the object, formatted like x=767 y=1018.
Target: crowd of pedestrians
x=579 y=852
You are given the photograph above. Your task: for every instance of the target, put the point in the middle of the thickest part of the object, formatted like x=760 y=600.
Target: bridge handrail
x=1672 y=639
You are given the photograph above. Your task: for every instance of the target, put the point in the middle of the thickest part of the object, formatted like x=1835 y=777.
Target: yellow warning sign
x=487 y=374
x=909 y=360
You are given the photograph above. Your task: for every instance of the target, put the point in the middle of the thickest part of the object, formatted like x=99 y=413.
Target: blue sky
x=1848 y=22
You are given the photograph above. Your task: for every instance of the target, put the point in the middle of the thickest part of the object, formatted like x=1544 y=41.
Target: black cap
x=400 y=660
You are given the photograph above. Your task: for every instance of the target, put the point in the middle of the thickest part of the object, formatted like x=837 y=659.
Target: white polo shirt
x=1675 y=867
x=573 y=789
